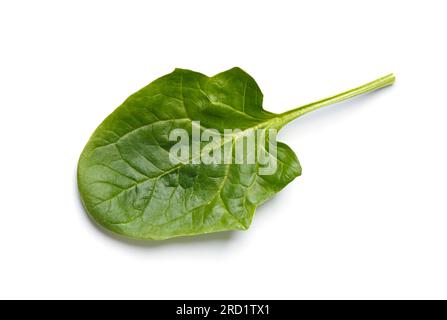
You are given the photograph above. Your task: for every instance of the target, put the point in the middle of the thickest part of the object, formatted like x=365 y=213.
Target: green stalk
x=368 y=87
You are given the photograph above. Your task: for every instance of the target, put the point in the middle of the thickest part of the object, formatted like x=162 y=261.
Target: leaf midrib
x=234 y=137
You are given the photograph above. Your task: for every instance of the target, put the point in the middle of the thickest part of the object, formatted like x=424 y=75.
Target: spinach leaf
x=129 y=185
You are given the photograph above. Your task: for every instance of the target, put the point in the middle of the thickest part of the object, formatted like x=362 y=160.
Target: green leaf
x=129 y=185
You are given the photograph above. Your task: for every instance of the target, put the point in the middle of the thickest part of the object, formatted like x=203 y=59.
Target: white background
x=368 y=217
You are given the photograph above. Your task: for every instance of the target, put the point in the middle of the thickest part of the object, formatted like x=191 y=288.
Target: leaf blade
x=166 y=200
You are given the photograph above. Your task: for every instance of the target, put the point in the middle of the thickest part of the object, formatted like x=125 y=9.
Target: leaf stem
x=288 y=116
